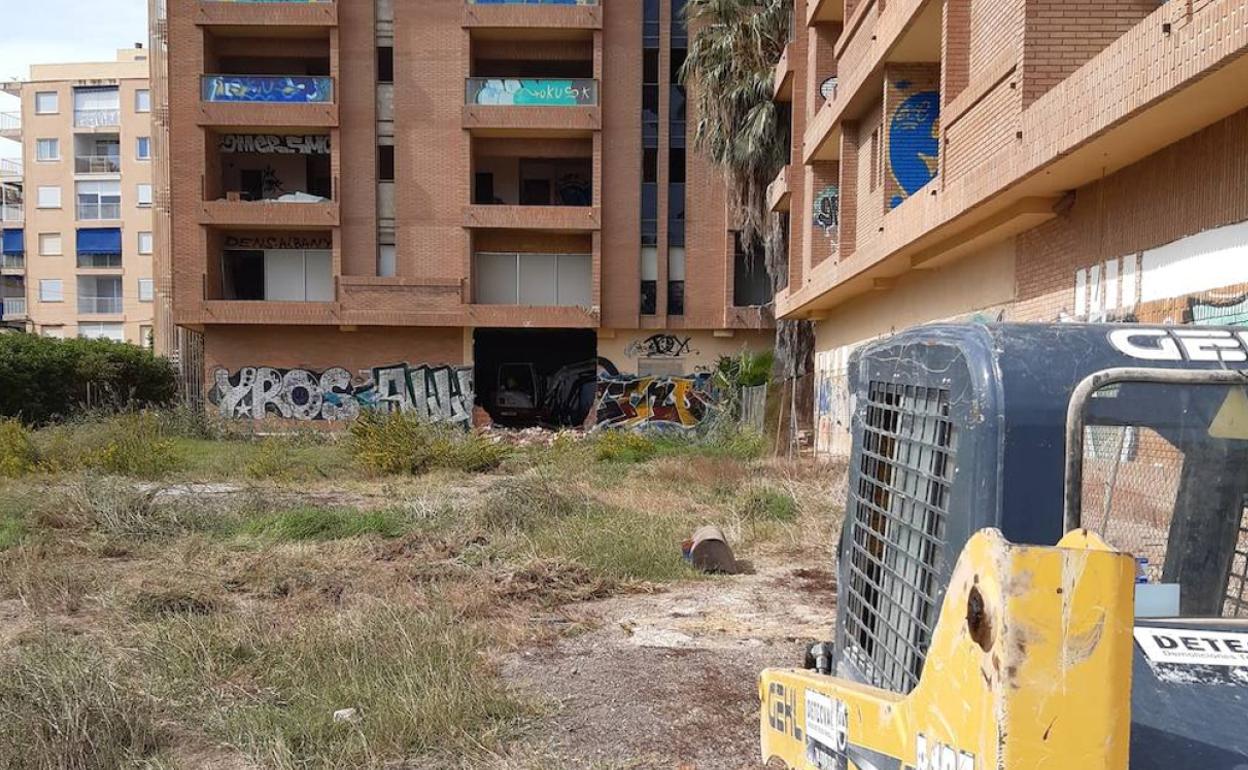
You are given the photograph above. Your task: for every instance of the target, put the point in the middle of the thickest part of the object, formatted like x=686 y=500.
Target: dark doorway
x=528 y=377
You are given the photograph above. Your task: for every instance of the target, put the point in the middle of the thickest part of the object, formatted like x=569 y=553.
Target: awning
x=13 y=242
x=99 y=241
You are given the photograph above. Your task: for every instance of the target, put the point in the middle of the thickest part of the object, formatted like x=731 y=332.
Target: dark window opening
x=650 y=23
x=527 y=377
x=649 y=297
x=242 y=275
x=751 y=286
x=650 y=165
x=675 y=297
x=385 y=64
x=649 y=215
x=483 y=188
x=385 y=163
x=676 y=214
x=676 y=166
x=533 y=68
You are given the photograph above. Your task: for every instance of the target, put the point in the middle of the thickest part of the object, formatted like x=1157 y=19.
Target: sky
x=46 y=31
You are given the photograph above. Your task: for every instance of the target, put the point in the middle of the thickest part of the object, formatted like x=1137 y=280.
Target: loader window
x=1165 y=478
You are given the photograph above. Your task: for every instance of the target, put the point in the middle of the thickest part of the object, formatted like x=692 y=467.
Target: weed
x=12 y=531
x=624 y=446
x=418 y=681
x=167 y=602
x=129 y=444
x=272 y=460
x=17 y=450
x=766 y=503
x=325 y=524
x=65 y=704
x=398 y=442
x=527 y=501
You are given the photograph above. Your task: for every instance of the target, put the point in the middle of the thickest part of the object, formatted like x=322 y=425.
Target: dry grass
x=240 y=620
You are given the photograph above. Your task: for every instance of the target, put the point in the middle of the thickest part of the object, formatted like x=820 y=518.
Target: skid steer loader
x=1043 y=558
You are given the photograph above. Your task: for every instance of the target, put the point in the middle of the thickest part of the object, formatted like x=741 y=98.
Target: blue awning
x=14 y=242
x=99 y=240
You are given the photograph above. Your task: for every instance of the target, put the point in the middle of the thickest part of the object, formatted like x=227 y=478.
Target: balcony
x=536 y=280
x=97 y=164
x=94 y=211
x=12 y=212
x=11 y=125
x=294 y=100
x=825 y=11
x=531 y=106
x=268 y=13
x=13 y=308
x=545 y=19
x=99 y=262
x=12 y=262
x=10 y=168
x=567 y=219
x=97 y=118
x=108 y=305
x=780 y=191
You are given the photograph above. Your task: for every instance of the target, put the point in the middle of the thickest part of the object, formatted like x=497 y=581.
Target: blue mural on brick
x=292 y=89
x=524 y=92
x=914 y=143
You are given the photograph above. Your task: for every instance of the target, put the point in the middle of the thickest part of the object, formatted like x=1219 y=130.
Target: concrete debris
x=347 y=716
x=526 y=437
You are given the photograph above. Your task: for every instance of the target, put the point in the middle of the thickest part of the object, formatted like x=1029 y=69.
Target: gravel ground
x=669 y=680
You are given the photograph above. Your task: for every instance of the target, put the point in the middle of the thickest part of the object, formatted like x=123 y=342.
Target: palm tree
x=733 y=49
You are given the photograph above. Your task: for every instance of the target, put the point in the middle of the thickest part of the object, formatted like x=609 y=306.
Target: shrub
x=17 y=451
x=63 y=703
x=765 y=503
x=129 y=444
x=272 y=460
x=42 y=378
x=399 y=442
x=624 y=446
x=326 y=524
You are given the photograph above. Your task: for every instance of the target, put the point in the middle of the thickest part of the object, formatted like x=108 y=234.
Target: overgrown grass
x=310 y=523
x=420 y=683
x=762 y=502
x=17 y=449
x=65 y=704
x=392 y=443
x=12 y=530
x=129 y=444
x=624 y=446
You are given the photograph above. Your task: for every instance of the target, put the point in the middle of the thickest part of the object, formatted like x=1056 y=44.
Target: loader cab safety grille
x=899 y=504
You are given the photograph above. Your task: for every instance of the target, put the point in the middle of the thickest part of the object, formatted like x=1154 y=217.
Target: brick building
x=1021 y=160
x=390 y=198
x=76 y=207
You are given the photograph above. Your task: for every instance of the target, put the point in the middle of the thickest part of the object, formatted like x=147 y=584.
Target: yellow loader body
x=1029 y=667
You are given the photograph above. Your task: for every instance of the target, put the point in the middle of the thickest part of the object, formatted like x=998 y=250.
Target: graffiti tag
x=660 y=346
x=634 y=402
x=272 y=144
x=437 y=393
x=913 y=145
x=554 y=93
x=261 y=242
x=827 y=210
x=261 y=88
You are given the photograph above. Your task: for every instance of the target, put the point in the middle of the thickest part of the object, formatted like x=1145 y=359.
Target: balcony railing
x=97 y=118
x=97 y=164
x=12 y=262
x=13 y=307
x=88 y=211
x=273 y=89
x=270 y=1
x=532 y=92
x=10 y=167
x=532 y=2
x=10 y=121
x=99 y=261
x=99 y=305
x=11 y=212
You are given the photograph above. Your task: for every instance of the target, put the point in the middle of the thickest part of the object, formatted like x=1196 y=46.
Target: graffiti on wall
x=263 y=242
x=832 y=401
x=827 y=89
x=827 y=210
x=297 y=89
x=660 y=346
x=1207 y=311
x=272 y=144
x=438 y=393
x=913 y=142
x=653 y=402
x=550 y=93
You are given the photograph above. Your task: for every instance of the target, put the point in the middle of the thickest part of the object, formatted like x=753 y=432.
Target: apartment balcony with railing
x=97 y=210
x=531 y=95
x=548 y=193
x=279 y=266
x=100 y=295
x=12 y=308
x=12 y=211
x=11 y=125
x=11 y=168
x=533 y=279
x=263 y=77
x=268 y=13
x=12 y=249
x=97 y=107
x=269 y=181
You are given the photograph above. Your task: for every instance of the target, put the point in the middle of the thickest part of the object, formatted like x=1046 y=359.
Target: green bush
x=765 y=503
x=43 y=378
x=17 y=450
x=128 y=444
x=624 y=446
x=272 y=460
x=399 y=442
x=326 y=524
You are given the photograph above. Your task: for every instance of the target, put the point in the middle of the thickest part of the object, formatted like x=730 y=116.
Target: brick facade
x=1090 y=166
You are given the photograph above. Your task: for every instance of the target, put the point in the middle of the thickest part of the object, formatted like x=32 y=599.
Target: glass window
x=48 y=197
x=50 y=244
x=385 y=64
x=99 y=200
x=145 y=243
x=385 y=163
x=143 y=148
x=145 y=194
x=51 y=290
x=95 y=107
x=55 y=332
x=47 y=149
x=147 y=338
x=102 y=331
x=46 y=103
x=142 y=100
x=146 y=289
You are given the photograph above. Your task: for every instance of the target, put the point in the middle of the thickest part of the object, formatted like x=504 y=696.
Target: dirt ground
x=669 y=680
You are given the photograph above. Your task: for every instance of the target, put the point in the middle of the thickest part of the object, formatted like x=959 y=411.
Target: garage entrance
x=527 y=377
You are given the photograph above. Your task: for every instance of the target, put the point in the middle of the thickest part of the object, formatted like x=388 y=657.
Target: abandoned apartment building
x=426 y=204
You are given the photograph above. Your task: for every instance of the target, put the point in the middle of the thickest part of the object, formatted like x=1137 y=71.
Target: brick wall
x=869 y=174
